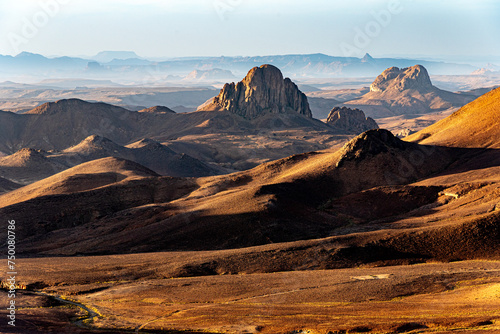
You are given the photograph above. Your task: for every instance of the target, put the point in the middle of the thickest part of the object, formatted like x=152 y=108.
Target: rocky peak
x=350 y=120
x=262 y=91
x=371 y=142
x=393 y=78
x=367 y=58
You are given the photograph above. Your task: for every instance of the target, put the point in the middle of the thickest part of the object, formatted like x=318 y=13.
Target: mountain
x=377 y=200
x=36 y=64
x=209 y=75
x=275 y=202
x=479 y=119
x=84 y=177
x=158 y=110
x=406 y=91
x=127 y=66
x=262 y=91
x=271 y=202
x=395 y=79
x=262 y=118
x=315 y=65
x=214 y=137
x=146 y=152
x=350 y=120
x=58 y=125
x=367 y=58
x=74 y=83
x=107 y=56
x=164 y=161
x=28 y=165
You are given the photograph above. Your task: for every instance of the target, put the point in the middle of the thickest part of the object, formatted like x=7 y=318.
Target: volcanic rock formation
x=350 y=120
x=415 y=77
x=262 y=91
x=406 y=91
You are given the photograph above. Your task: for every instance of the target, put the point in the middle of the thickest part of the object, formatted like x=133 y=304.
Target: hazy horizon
x=471 y=59
x=166 y=29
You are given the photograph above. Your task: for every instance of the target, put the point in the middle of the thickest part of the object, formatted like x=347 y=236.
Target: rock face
x=393 y=78
x=350 y=120
x=262 y=91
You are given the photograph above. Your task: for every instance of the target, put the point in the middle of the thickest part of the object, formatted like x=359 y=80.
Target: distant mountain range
x=129 y=66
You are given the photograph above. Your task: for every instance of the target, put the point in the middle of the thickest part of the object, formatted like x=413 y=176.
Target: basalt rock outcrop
x=406 y=91
x=350 y=120
x=393 y=78
x=262 y=91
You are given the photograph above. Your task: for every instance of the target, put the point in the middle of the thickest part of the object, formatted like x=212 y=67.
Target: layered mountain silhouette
x=264 y=117
x=406 y=91
x=29 y=165
x=321 y=196
x=128 y=63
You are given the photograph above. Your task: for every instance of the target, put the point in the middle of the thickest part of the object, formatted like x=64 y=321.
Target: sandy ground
x=435 y=297
x=415 y=123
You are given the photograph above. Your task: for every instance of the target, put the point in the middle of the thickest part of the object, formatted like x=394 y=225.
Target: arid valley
x=299 y=193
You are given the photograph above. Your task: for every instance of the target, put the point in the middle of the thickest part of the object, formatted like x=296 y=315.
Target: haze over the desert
x=181 y=28
x=237 y=166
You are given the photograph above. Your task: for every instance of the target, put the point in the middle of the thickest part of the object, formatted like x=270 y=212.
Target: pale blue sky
x=171 y=28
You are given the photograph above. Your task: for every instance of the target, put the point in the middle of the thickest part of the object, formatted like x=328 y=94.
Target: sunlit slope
x=474 y=126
